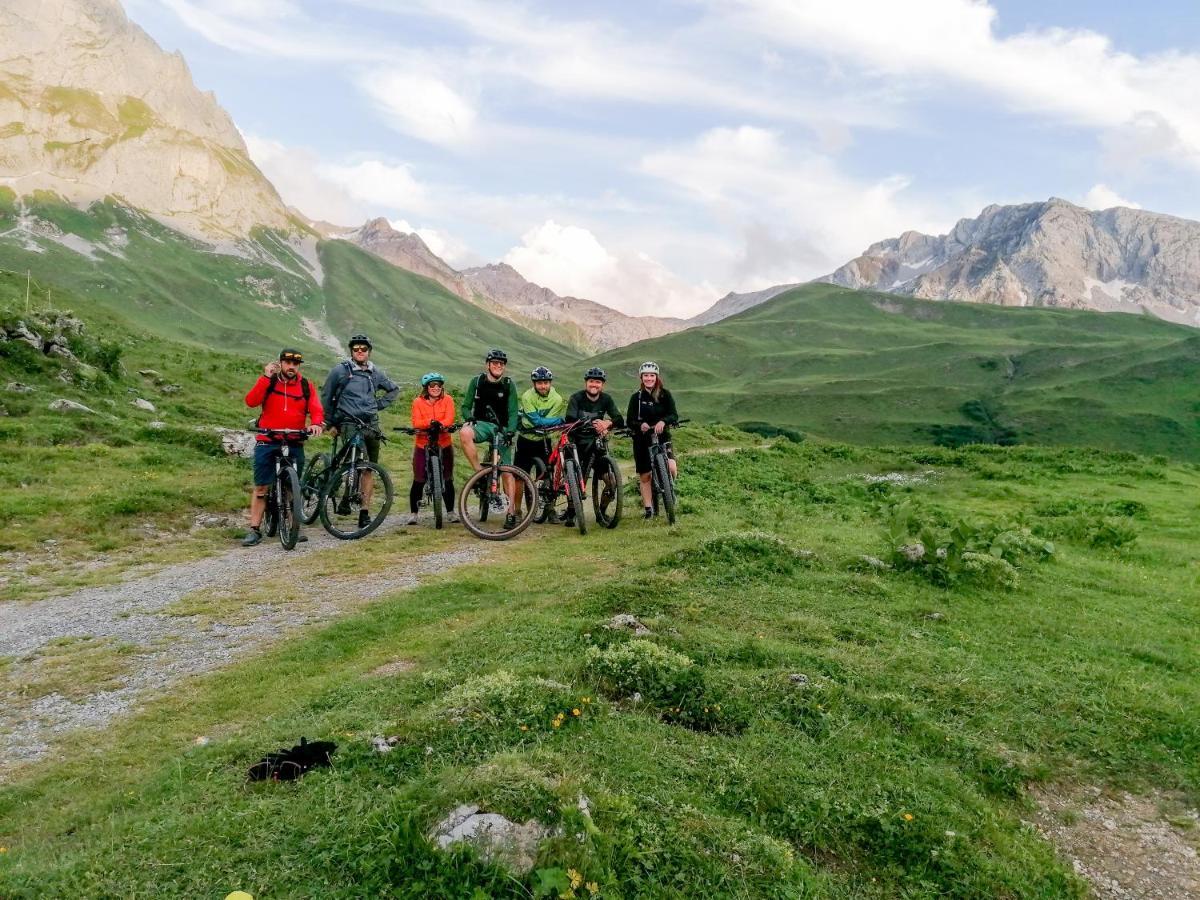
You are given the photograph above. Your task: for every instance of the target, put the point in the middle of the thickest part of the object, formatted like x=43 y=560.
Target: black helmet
x=496 y=354
x=541 y=373
x=360 y=339
x=595 y=372
x=290 y=354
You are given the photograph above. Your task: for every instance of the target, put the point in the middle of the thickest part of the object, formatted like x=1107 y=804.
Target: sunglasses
x=357 y=347
x=292 y=357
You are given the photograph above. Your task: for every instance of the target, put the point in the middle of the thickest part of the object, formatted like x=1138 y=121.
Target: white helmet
x=649 y=367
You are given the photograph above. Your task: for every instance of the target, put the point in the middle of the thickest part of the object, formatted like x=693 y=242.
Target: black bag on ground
x=288 y=765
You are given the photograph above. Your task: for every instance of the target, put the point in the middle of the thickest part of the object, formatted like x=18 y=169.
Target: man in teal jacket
x=538 y=407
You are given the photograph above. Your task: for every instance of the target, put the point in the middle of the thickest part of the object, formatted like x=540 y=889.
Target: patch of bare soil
x=1127 y=847
x=395 y=667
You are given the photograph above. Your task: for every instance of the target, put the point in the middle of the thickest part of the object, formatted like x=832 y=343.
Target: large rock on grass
x=497 y=839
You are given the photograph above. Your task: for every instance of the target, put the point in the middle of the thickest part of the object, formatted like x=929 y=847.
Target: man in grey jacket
x=349 y=396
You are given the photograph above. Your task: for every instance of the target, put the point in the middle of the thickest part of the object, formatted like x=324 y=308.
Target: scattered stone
x=934 y=616
x=146 y=405
x=395 y=667
x=900 y=478
x=16 y=387
x=873 y=562
x=61 y=351
x=201 y=741
x=496 y=839
x=65 y=377
x=21 y=332
x=61 y=405
x=157 y=425
x=383 y=744
x=236 y=442
x=211 y=520
x=149 y=373
x=627 y=621
x=171 y=388
x=913 y=552
x=49 y=542
x=637 y=697
x=799 y=679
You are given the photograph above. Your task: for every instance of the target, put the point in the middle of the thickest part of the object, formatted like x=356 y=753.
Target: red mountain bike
x=563 y=482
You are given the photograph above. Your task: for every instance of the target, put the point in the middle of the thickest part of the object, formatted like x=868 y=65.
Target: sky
x=654 y=156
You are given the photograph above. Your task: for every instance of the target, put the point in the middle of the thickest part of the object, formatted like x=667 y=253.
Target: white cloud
x=1073 y=75
x=571 y=261
x=421 y=105
x=297 y=174
x=798 y=215
x=379 y=184
x=444 y=245
x=1101 y=196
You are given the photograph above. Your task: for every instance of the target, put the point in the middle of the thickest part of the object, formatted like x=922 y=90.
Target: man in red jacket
x=288 y=400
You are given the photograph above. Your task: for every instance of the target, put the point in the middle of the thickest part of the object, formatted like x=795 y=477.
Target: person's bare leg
x=466 y=440
x=644 y=487
x=367 y=482
x=258 y=504
x=673 y=467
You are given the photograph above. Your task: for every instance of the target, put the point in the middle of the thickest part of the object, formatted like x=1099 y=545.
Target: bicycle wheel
x=291 y=507
x=310 y=486
x=575 y=493
x=435 y=485
x=270 y=522
x=543 y=497
x=607 y=501
x=666 y=488
x=342 y=500
x=494 y=526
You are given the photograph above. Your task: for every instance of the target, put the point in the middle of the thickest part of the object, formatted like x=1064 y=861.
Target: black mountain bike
x=434 y=479
x=483 y=504
x=339 y=483
x=284 y=514
x=661 y=482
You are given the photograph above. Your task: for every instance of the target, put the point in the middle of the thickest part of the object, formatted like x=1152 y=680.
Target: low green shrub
x=739 y=557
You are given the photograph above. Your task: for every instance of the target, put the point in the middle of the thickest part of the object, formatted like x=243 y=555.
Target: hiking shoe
x=648 y=513
x=302 y=539
x=364 y=518
x=411 y=519
x=452 y=517
x=253 y=536
x=497 y=503
x=510 y=522
x=343 y=506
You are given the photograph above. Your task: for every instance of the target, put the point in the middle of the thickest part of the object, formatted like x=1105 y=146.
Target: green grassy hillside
x=876 y=368
x=165 y=284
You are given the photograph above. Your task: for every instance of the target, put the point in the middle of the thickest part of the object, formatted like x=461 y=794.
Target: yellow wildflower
x=524 y=727
x=908 y=817
x=593 y=888
x=557 y=723
x=576 y=878
x=576 y=712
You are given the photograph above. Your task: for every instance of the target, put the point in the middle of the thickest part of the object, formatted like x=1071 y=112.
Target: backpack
x=508 y=383
x=288 y=765
x=349 y=367
x=305 y=389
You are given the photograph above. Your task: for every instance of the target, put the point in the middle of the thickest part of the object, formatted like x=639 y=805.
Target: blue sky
x=655 y=155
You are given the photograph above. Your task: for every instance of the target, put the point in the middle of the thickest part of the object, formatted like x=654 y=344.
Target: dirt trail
x=160 y=646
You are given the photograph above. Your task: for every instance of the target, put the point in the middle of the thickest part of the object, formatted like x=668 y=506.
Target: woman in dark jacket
x=651 y=410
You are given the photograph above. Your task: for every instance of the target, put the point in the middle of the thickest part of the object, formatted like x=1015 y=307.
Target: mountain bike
x=341 y=499
x=662 y=484
x=283 y=513
x=434 y=480
x=483 y=504
x=563 y=478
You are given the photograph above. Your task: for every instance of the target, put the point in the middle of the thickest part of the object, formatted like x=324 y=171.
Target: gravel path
x=171 y=646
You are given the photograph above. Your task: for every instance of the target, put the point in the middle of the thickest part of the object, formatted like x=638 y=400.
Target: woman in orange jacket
x=433 y=404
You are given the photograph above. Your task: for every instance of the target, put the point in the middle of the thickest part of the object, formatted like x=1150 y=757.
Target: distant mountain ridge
x=91 y=107
x=1053 y=254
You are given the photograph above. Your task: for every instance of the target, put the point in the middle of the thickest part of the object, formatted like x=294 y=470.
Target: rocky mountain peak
x=91 y=107
x=1050 y=253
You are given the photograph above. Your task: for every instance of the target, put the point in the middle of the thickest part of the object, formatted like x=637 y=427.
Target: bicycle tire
x=543 y=492
x=291 y=507
x=342 y=486
x=607 y=517
x=270 y=522
x=435 y=485
x=310 y=486
x=666 y=488
x=575 y=492
x=480 y=477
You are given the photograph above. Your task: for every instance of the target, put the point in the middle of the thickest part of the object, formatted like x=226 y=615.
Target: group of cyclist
x=356 y=391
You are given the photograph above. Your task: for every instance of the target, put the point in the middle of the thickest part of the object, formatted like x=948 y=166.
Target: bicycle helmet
x=290 y=354
x=651 y=367
x=430 y=377
x=595 y=372
x=496 y=354
x=541 y=373
x=359 y=339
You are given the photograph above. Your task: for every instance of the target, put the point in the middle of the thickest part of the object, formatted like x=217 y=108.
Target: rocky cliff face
x=91 y=107
x=1051 y=254
x=600 y=327
x=408 y=252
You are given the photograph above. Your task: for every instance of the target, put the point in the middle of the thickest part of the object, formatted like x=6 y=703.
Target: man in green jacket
x=539 y=407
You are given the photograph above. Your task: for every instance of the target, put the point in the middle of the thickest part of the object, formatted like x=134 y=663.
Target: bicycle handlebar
x=301 y=432
x=446 y=429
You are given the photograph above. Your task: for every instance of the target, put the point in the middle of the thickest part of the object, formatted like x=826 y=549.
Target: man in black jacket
x=594 y=406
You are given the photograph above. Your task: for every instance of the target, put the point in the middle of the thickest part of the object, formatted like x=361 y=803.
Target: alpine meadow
x=915 y=618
